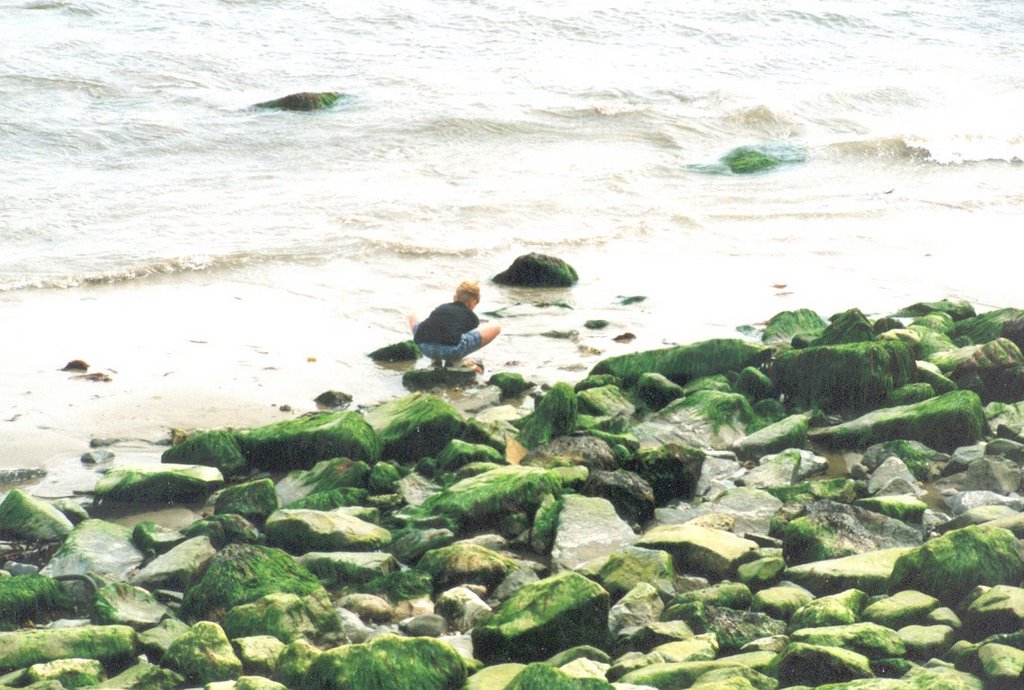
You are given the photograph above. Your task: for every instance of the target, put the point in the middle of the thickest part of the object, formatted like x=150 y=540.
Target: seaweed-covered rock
x=242 y=573
x=993 y=370
x=120 y=603
x=747 y=159
x=144 y=676
x=29 y=597
x=431 y=378
x=25 y=517
x=908 y=607
x=415 y=426
x=68 y=673
x=731 y=627
x=945 y=423
x=487 y=498
x=294 y=661
x=997 y=610
x=97 y=548
x=684 y=363
x=868 y=372
x=957 y=309
x=673 y=470
x=790 y=432
x=870 y=572
x=656 y=390
x=108 y=644
x=150 y=537
x=345 y=567
x=987 y=326
x=556 y=414
x=628 y=567
x=781 y=601
x=538 y=270
x=814 y=665
x=203 y=655
x=949 y=566
x=786 y=325
x=833 y=530
x=217 y=448
x=544 y=617
x=463 y=563
x=405 y=351
x=287 y=617
x=300 y=443
x=161 y=484
x=254 y=501
x=324 y=477
x=700 y=550
x=511 y=384
x=222 y=530
x=459 y=453
x=304 y=100
x=302 y=531
x=387 y=663
x=870 y=639
x=631 y=494
x=605 y=401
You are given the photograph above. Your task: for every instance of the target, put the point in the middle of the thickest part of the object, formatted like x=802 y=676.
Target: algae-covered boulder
x=870 y=639
x=511 y=384
x=684 y=363
x=301 y=443
x=287 y=617
x=542 y=618
x=786 y=325
x=790 y=432
x=415 y=426
x=203 y=655
x=254 y=501
x=144 y=676
x=405 y=351
x=217 y=448
x=460 y=453
x=748 y=159
x=242 y=573
x=159 y=484
x=27 y=518
x=178 y=568
x=833 y=530
x=808 y=664
x=349 y=567
x=294 y=661
x=712 y=553
x=109 y=644
x=997 y=610
x=587 y=529
x=957 y=309
x=29 y=597
x=120 y=603
x=704 y=418
x=950 y=566
x=632 y=565
x=69 y=673
x=556 y=414
x=486 y=498
x=732 y=628
x=993 y=370
x=869 y=371
x=349 y=477
x=97 y=548
x=987 y=326
x=605 y=401
x=687 y=674
x=850 y=326
x=870 y=572
x=672 y=470
x=656 y=390
x=301 y=531
x=304 y=100
x=842 y=608
x=944 y=423
x=908 y=607
x=463 y=563
x=538 y=270
x=387 y=663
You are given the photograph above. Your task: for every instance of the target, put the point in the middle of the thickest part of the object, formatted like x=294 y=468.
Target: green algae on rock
x=302 y=442
x=299 y=531
x=109 y=644
x=96 y=548
x=544 y=617
x=944 y=423
x=459 y=453
x=415 y=426
x=405 y=351
x=29 y=597
x=120 y=603
x=286 y=617
x=461 y=564
x=538 y=270
x=304 y=100
x=68 y=673
x=242 y=573
x=556 y=414
x=684 y=363
x=28 y=518
x=387 y=663
x=203 y=655
x=217 y=448
x=254 y=501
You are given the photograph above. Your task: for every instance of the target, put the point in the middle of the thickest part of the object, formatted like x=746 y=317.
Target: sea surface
x=147 y=207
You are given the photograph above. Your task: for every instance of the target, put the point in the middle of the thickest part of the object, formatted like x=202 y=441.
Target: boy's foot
x=475 y=364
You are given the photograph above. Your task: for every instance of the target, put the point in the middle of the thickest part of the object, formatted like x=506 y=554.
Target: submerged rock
x=305 y=100
x=538 y=270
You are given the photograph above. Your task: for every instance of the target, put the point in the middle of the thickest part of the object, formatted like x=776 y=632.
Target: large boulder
x=286 y=617
x=303 y=100
x=464 y=563
x=29 y=597
x=702 y=419
x=415 y=426
x=950 y=566
x=538 y=270
x=165 y=483
x=944 y=423
x=833 y=530
x=786 y=325
x=217 y=448
x=556 y=414
x=790 y=432
x=704 y=551
x=543 y=618
x=684 y=363
x=587 y=529
x=869 y=572
x=242 y=573
x=869 y=371
x=109 y=644
x=993 y=370
x=96 y=548
x=487 y=498
x=254 y=501
x=387 y=663
x=203 y=655
x=300 y=443
x=301 y=531
x=26 y=518
x=120 y=603
x=178 y=568
x=345 y=480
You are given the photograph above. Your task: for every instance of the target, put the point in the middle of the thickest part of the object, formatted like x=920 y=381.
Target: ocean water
x=146 y=206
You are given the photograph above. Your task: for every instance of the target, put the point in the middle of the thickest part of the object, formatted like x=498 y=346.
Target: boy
x=452 y=330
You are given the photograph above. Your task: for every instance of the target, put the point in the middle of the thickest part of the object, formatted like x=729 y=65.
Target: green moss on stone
x=388 y=663
x=305 y=100
x=512 y=385
x=840 y=489
x=460 y=564
x=109 y=644
x=253 y=500
x=672 y=470
x=542 y=676
x=683 y=363
x=403 y=585
x=459 y=453
x=987 y=326
x=217 y=448
x=415 y=426
x=556 y=414
x=286 y=617
x=850 y=326
x=25 y=517
x=908 y=509
x=300 y=443
x=538 y=270
x=784 y=326
x=745 y=160
x=29 y=597
x=242 y=573
x=406 y=351
x=203 y=655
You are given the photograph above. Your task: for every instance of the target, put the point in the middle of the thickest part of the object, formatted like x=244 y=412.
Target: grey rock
x=992 y=473
x=588 y=528
x=961 y=501
x=426 y=625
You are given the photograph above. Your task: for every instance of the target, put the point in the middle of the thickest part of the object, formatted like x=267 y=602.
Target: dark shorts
x=470 y=342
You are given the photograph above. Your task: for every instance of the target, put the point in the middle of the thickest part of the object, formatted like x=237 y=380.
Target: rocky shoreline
x=817 y=504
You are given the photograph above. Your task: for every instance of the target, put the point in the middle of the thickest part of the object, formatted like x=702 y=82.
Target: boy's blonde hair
x=467 y=290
